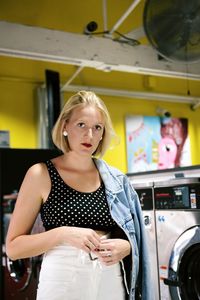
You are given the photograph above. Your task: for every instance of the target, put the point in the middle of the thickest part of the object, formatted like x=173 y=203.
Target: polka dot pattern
x=67 y=206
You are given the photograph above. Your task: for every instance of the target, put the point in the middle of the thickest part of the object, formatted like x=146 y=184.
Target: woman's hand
x=83 y=238
x=111 y=251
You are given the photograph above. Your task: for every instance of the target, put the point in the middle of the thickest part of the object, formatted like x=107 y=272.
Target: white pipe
x=135 y=94
x=124 y=16
x=105 y=21
x=195 y=105
x=72 y=77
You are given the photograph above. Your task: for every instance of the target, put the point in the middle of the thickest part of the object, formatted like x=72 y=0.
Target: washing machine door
x=19 y=273
x=184 y=266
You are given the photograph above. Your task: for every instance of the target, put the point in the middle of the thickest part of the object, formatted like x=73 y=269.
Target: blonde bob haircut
x=83 y=98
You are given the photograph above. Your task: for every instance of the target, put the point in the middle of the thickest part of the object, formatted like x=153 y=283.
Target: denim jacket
x=126 y=211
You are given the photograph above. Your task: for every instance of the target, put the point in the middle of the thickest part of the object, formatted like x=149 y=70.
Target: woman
x=94 y=242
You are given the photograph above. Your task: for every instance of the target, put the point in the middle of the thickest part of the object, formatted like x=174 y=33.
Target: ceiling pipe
x=135 y=94
x=124 y=16
x=105 y=21
x=194 y=106
x=72 y=77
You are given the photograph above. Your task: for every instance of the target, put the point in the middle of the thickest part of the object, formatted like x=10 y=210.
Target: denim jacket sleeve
x=144 y=279
x=126 y=211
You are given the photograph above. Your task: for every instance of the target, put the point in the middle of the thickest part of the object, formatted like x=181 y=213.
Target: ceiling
x=101 y=61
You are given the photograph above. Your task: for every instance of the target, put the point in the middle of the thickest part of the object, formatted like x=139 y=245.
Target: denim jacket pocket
x=129 y=224
x=130 y=229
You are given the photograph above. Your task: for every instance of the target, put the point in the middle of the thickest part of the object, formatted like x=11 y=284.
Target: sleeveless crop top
x=67 y=206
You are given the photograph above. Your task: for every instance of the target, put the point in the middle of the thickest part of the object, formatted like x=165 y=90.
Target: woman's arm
x=19 y=242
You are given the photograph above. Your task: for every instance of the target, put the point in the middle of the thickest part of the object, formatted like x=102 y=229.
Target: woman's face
x=85 y=129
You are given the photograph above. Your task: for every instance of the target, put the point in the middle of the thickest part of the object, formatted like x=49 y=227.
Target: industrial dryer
x=177 y=211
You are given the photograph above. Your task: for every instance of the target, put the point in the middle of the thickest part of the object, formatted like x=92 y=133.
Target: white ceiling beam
x=87 y=51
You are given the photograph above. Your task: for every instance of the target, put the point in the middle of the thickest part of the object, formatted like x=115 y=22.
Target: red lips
x=86 y=145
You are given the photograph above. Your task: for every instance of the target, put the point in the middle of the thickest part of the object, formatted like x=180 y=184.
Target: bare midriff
x=101 y=232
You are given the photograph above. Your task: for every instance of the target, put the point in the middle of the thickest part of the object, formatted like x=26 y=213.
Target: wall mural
x=155 y=143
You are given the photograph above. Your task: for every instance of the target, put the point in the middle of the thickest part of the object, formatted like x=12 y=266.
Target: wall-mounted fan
x=173 y=28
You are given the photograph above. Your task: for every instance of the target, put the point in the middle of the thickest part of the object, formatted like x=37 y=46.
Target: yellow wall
x=18 y=115
x=17 y=101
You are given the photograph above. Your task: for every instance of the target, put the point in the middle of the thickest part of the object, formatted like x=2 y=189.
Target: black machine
x=18 y=279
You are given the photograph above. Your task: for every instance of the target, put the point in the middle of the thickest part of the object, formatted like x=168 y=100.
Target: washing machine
x=145 y=194
x=20 y=277
x=177 y=213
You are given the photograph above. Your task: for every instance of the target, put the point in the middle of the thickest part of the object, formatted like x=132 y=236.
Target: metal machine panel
x=177 y=214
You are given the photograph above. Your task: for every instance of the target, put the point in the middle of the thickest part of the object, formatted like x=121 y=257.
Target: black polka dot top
x=66 y=206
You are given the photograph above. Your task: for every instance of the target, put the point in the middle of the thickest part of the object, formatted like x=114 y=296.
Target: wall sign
x=155 y=143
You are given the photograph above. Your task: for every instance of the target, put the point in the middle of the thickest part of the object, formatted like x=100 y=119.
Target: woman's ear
x=65 y=133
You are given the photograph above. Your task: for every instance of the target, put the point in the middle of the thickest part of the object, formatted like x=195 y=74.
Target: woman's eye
x=81 y=125
x=98 y=127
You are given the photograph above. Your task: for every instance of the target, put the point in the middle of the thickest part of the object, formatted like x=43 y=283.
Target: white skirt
x=68 y=273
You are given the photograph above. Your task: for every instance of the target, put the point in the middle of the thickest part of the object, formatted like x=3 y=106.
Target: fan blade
x=173 y=28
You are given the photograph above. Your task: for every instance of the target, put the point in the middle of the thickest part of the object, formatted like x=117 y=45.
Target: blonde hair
x=83 y=98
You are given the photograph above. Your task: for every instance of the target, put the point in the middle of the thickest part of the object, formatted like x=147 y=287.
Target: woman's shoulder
x=37 y=170
x=104 y=165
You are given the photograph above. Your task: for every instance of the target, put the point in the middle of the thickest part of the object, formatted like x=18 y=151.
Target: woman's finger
x=106 y=246
x=106 y=254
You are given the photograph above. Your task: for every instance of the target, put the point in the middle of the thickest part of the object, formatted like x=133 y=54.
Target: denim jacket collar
x=109 y=177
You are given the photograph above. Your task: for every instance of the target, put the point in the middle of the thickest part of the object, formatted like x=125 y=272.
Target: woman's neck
x=81 y=163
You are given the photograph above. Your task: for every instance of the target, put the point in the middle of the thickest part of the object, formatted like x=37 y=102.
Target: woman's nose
x=90 y=132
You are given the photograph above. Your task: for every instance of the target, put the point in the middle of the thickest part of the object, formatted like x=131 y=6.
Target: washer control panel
x=146 y=198
x=177 y=197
